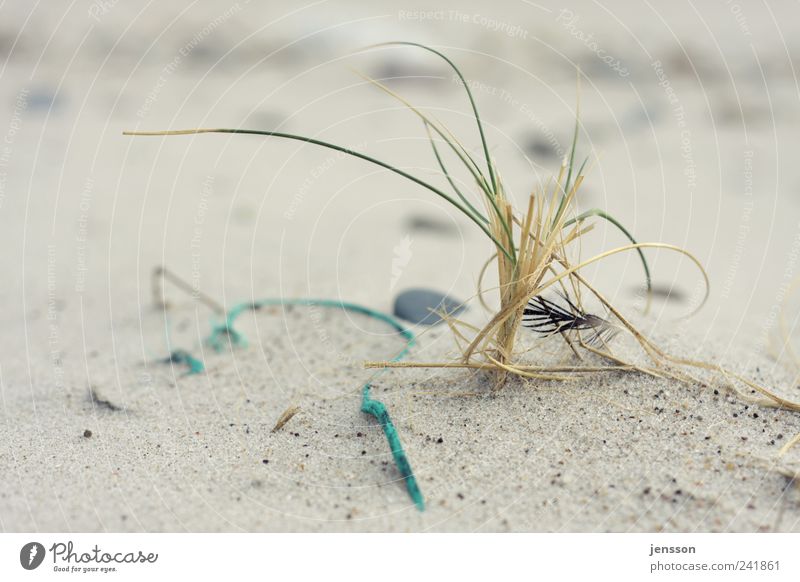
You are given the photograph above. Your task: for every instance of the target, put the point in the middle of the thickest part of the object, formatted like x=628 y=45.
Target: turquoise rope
x=369 y=406
x=183 y=357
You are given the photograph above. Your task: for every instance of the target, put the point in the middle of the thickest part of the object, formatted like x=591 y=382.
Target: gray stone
x=415 y=305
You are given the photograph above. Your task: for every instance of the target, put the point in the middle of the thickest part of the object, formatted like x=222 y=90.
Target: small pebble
x=427 y=224
x=415 y=305
x=540 y=147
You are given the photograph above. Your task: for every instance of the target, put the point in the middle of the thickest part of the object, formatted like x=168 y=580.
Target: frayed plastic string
x=183 y=357
x=377 y=409
x=225 y=330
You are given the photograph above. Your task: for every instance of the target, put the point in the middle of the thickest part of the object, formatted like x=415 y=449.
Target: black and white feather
x=547 y=318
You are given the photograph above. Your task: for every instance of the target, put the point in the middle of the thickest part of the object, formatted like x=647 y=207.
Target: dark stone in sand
x=42 y=99
x=664 y=292
x=427 y=224
x=541 y=147
x=415 y=305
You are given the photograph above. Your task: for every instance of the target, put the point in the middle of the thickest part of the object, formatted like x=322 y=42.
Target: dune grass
x=535 y=253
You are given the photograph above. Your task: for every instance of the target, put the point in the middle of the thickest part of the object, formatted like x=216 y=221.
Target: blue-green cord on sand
x=368 y=405
x=183 y=357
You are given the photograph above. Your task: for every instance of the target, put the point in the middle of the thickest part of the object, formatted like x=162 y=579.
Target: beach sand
x=100 y=433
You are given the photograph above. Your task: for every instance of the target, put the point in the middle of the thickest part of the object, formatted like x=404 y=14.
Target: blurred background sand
x=689 y=113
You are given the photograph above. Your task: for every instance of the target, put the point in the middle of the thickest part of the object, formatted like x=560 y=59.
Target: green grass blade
x=570 y=165
x=489 y=196
x=601 y=214
x=343 y=150
x=449 y=178
x=457 y=148
x=572 y=156
x=469 y=95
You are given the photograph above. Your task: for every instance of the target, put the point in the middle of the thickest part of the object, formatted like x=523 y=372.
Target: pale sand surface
x=245 y=218
x=617 y=453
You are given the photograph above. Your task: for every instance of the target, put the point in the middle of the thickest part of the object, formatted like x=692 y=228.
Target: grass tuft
x=535 y=250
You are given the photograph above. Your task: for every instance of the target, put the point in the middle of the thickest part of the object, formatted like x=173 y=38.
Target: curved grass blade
x=338 y=148
x=469 y=95
x=602 y=214
x=460 y=151
x=572 y=150
x=493 y=203
x=449 y=178
x=570 y=165
x=569 y=270
x=451 y=141
x=457 y=148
